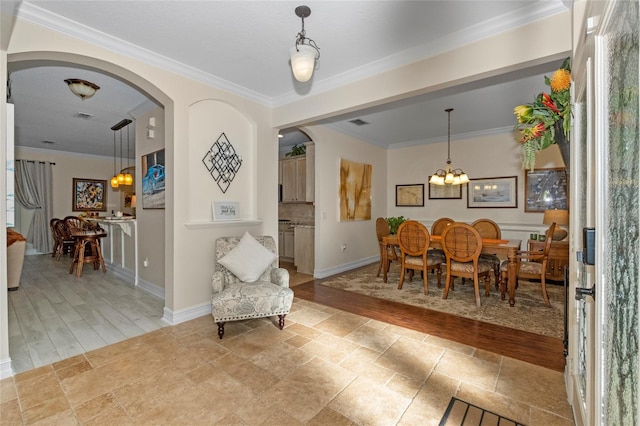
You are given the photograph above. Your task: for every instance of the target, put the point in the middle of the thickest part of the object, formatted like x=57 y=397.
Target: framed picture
x=445 y=192
x=494 y=192
x=545 y=189
x=153 y=180
x=225 y=210
x=89 y=195
x=410 y=195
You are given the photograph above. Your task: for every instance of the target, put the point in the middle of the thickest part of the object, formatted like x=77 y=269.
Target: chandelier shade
x=449 y=175
x=82 y=88
x=305 y=54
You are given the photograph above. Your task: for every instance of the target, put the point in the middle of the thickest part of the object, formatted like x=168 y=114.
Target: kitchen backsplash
x=296 y=212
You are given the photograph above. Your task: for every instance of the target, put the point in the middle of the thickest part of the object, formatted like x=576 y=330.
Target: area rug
x=529 y=313
x=461 y=413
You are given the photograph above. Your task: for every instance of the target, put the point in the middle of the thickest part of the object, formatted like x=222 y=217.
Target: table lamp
x=560 y=217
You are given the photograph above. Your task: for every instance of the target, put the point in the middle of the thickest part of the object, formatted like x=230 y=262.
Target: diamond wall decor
x=222 y=162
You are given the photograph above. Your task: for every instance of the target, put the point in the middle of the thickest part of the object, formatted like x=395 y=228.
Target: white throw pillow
x=248 y=259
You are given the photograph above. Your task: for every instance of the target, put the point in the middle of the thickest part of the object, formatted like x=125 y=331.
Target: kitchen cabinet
x=286 y=243
x=304 y=249
x=558 y=258
x=294 y=176
x=311 y=172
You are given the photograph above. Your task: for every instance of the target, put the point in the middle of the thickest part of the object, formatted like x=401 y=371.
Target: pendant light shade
x=305 y=54
x=128 y=179
x=449 y=175
x=114 y=179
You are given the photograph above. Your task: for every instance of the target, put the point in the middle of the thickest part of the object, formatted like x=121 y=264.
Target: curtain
x=34 y=191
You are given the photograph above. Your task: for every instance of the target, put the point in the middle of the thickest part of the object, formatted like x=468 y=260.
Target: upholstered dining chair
x=531 y=265
x=414 y=240
x=462 y=245
x=487 y=228
x=383 y=230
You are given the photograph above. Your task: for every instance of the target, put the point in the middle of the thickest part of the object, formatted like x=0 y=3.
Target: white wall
x=359 y=236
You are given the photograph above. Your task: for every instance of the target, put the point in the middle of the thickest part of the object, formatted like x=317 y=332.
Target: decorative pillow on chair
x=248 y=259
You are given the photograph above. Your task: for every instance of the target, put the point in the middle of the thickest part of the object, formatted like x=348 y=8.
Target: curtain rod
x=33 y=161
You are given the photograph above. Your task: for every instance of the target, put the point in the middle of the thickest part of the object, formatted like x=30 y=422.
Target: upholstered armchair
x=247 y=282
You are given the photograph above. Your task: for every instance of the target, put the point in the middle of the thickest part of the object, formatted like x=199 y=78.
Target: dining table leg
x=513 y=276
x=385 y=261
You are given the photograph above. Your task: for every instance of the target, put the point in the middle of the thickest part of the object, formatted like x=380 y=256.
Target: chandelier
x=449 y=175
x=305 y=54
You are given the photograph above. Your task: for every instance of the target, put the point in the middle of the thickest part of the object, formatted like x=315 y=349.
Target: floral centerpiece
x=539 y=122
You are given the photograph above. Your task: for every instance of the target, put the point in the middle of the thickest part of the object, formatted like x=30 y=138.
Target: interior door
x=603 y=353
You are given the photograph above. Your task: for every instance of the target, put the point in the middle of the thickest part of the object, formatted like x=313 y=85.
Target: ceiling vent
x=83 y=115
x=358 y=122
x=47 y=142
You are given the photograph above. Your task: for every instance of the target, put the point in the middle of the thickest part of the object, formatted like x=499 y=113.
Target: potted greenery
x=297 y=150
x=394 y=223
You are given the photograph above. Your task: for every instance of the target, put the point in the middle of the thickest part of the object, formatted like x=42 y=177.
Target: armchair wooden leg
x=220 y=329
x=281 y=321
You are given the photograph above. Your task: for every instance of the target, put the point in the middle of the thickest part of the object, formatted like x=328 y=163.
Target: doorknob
x=581 y=292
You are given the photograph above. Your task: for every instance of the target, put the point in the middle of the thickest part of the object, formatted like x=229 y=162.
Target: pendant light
x=449 y=176
x=114 y=179
x=119 y=179
x=121 y=175
x=128 y=179
x=305 y=54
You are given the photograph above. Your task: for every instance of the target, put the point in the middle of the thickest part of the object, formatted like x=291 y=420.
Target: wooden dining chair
x=63 y=243
x=383 y=230
x=531 y=265
x=462 y=245
x=487 y=228
x=438 y=226
x=414 y=240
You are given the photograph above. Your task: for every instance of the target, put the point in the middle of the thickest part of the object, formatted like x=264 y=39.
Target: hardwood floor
x=533 y=348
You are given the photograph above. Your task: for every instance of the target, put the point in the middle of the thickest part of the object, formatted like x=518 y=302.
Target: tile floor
x=327 y=367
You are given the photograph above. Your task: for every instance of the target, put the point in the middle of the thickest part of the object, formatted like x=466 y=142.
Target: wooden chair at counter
x=531 y=265
x=62 y=241
x=383 y=230
x=462 y=245
x=488 y=229
x=414 y=240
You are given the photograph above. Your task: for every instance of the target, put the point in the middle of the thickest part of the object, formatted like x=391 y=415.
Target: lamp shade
x=560 y=217
x=303 y=61
x=133 y=201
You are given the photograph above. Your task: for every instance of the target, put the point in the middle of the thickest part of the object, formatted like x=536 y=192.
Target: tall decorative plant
x=539 y=121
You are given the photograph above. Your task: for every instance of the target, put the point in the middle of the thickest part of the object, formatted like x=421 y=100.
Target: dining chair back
x=63 y=242
x=438 y=226
x=414 y=240
x=531 y=265
x=383 y=230
x=487 y=228
x=462 y=245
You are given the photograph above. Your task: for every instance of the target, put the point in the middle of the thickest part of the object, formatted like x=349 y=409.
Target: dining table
x=500 y=248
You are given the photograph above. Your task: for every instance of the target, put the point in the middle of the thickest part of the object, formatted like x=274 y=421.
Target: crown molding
x=42 y=17
x=499 y=24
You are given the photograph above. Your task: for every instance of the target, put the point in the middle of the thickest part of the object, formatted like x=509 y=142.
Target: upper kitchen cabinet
x=298 y=177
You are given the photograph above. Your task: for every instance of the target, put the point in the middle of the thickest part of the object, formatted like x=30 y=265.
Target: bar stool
x=87 y=240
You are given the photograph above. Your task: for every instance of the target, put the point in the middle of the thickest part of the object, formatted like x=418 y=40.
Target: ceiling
x=242 y=46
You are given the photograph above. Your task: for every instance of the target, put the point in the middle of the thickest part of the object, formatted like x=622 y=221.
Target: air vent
x=358 y=122
x=83 y=115
x=48 y=142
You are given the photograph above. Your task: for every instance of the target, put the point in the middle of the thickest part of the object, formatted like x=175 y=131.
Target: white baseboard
x=327 y=272
x=128 y=276
x=5 y=368
x=176 y=317
x=151 y=288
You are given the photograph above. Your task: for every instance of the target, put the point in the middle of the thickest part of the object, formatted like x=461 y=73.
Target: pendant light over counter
x=120 y=178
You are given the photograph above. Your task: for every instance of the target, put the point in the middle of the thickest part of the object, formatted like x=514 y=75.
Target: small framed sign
x=225 y=211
